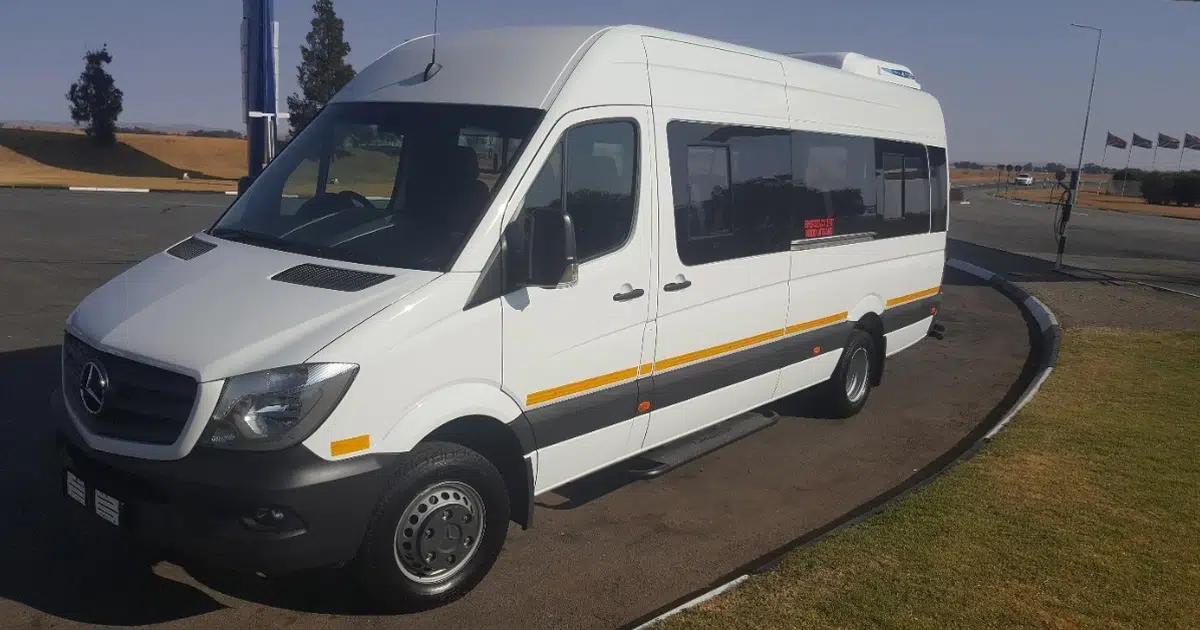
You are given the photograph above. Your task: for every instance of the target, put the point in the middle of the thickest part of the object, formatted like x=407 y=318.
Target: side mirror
x=244 y=183
x=540 y=250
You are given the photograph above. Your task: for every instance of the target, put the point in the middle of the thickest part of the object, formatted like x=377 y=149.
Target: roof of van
x=526 y=66
x=518 y=66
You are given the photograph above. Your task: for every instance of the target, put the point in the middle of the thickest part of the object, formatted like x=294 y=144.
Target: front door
x=572 y=353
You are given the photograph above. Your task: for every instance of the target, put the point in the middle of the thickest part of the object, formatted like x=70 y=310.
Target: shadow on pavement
x=1014 y=267
x=55 y=558
x=75 y=152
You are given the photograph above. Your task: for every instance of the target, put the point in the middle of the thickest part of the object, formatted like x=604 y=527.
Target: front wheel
x=437 y=531
x=847 y=391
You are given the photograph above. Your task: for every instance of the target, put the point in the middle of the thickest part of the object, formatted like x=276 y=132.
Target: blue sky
x=1012 y=76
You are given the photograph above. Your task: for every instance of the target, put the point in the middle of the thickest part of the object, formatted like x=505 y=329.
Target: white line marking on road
x=105 y=189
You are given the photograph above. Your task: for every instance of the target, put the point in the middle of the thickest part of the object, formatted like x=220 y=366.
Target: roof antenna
x=433 y=66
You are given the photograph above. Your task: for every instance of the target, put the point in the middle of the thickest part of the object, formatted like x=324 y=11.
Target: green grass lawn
x=1083 y=513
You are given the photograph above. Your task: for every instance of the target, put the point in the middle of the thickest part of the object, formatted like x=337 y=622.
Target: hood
x=220 y=313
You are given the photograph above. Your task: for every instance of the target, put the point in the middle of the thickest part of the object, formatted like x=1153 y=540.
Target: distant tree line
x=140 y=131
x=216 y=133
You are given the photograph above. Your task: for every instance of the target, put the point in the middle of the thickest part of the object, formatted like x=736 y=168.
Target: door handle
x=631 y=294
x=677 y=286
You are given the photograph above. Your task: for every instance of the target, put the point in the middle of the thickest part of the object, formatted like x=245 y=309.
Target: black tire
x=836 y=400
x=378 y=565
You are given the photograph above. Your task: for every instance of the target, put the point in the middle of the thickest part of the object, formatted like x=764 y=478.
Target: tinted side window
x=602 y=168
x=732 y=190
x=940 y=180
x=547 y=189
x=600 y=163
x=835 y=186
x=904 y=171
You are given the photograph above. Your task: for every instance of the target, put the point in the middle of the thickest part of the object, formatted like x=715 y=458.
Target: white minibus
x=478 y=276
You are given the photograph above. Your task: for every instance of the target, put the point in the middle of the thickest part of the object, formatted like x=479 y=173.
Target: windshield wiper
x=244 y=236
x=266 y=240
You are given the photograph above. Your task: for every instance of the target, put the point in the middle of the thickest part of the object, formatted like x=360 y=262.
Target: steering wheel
x=362 y=201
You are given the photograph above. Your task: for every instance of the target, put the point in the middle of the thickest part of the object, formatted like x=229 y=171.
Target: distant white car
x=1024 y=179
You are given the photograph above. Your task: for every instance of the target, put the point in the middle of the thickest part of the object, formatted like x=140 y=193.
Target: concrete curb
x=115 y=189
x=1046 y=347
x=1051 y=332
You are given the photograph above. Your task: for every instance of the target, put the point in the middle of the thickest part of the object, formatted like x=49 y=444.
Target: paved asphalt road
x=1158 y=250
x=602 y=553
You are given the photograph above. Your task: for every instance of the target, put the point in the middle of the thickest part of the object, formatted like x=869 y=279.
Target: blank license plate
x=104 y=505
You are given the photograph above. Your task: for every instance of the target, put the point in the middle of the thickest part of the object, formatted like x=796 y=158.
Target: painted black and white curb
x=1046 y=346
x=1051 y=332
x=117 y=189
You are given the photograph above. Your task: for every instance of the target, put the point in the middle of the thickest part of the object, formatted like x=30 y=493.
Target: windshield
x=391 y=184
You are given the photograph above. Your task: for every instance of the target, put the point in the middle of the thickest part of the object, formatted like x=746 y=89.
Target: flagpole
x=1102 y=158
x=1128 y=161
x=1182 y=150
x=1154 y=160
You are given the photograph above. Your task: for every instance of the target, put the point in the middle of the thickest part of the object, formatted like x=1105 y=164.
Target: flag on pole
x=1167 y=142
x=1142 y=143
x=1115 y=141
x=1191 y=142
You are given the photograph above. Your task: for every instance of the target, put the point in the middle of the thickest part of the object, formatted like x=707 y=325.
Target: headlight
x=276 y=408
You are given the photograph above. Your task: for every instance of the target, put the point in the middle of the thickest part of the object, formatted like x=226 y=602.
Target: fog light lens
x=272 y=518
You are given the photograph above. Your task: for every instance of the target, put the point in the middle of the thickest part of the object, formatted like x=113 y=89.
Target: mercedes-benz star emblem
x=93 y=383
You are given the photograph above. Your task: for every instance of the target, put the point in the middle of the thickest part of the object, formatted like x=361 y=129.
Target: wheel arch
x=871 y=322
x=481 y=417
x=504 y=448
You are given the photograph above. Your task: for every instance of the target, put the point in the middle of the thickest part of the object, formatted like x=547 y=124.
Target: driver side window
x=593 y=171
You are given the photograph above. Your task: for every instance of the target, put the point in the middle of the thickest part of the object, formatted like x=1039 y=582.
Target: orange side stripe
x=913 y=296
x=579 y=386
x=715 y=350
x=546 y=395
x=816 y=323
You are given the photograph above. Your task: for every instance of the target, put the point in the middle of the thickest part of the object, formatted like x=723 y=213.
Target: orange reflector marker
x=350 y=445
x=817 y=350
x=644 y=406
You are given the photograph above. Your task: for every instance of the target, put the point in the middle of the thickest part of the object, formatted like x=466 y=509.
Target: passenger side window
x=940 y=180
x=905 y=173
x=732 y=190
x=859 y=186
x=600 y=164
x=709 y=192
x=835 y=186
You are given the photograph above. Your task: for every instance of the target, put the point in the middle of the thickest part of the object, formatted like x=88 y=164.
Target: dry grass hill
x=65 y=157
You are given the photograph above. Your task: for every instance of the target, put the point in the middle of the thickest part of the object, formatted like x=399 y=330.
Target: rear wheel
x=437 y=531
x=847 y=391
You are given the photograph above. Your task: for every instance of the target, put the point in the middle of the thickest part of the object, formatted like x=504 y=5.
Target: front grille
x=141 y=403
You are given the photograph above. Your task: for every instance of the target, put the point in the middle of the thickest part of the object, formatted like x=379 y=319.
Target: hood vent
x=190 y=248
x=322 y=277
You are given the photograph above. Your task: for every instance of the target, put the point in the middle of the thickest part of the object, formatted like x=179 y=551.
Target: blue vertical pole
x=260 y=77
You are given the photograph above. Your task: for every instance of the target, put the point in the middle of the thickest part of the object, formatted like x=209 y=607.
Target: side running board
x=675 y=454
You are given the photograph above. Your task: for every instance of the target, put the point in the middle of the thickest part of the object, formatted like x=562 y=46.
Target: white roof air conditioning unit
x=863 y=65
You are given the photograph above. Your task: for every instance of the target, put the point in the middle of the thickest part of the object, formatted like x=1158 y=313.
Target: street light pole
x=1073 y=194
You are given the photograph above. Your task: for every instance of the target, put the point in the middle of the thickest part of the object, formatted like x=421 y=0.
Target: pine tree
x=95 y=99
x=323 y=69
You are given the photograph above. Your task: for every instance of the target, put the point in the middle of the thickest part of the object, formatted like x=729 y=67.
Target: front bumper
x=202 y=507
